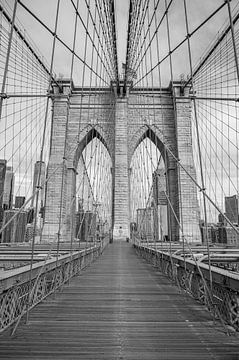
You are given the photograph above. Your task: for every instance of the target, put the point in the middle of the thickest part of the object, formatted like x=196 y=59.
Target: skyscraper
x=3 y=165
x=8 y=188
x=231 y=207
x=145 y=222
x=15 y=231
x=159 y=187
x=39 y=171
x=160 y=205
x=19 y=201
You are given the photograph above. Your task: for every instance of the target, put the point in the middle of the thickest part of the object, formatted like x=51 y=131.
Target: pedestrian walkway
x=119 y=308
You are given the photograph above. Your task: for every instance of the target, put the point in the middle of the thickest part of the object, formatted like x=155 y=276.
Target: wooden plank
x=119 y=308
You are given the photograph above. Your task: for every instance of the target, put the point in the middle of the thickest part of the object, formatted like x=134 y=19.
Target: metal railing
x=221 y=296
x=19 y=294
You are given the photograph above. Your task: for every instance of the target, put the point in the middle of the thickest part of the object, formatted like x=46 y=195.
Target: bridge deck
x=119 y=308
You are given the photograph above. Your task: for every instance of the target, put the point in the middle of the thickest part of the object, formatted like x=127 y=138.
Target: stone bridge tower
x=121 y=119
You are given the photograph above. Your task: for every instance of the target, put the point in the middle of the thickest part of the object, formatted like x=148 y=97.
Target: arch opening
x=89 y=136
x=148 y=189
x=93 y=189
x=151 y=135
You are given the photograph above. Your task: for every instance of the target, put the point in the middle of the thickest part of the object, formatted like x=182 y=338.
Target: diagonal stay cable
x=60 y=40
x=181 y=43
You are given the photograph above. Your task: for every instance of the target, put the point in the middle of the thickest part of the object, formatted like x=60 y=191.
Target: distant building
x=80 y=225
x=39 y=178
x=1 y=215
x=30 y=232
x=206 y=233
x=222 y=235
x=1 y=220
x=159 y=187
x=231 y=208
x=133 y=227
x=210 y=232
x=145 y=223
x=232 y=236
x=8 y=188
x=86 y=225
x=19 y=201
x=215 y=234
x=15 y=231
x=219 y=234
x=38 y=199
x=30 y=216
x=162 y=222
x=227 y=235
x=3 y=167
x=160 y=205
x=80 y=204
x=222 y=220
x=90 y=225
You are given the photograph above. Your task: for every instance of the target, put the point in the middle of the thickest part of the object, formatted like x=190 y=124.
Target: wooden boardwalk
x=119 y=308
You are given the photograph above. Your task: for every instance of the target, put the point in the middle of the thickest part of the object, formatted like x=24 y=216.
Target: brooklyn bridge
x=119 y=179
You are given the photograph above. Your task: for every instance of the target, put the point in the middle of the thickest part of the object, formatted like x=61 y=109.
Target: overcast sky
x=198 y=10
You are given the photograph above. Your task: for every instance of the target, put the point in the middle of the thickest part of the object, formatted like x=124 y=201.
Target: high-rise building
x=222 y=220
x=15 y=231
x=8 y=188
x=90 y=225
x=145 y=223
x=29 y=232
x=39 y=178
x=160 y=205
x=231 y=207
x=19 y=201
x=232 y=237
x=162 y=222
x=159 y=187
x=80 y=225
x=206 y=233
x=80 y=204
x=3 y=166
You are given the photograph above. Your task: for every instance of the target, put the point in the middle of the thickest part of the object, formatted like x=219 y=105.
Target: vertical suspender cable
x=71 y=80
x=198 y=141
x=7 y=57
x=174 y=107
x=41 y=157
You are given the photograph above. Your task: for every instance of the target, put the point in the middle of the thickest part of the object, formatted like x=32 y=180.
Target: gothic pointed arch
x=171 y=172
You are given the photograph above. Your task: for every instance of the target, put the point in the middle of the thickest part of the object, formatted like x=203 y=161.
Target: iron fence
x=20 y=292
x=219 y=291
